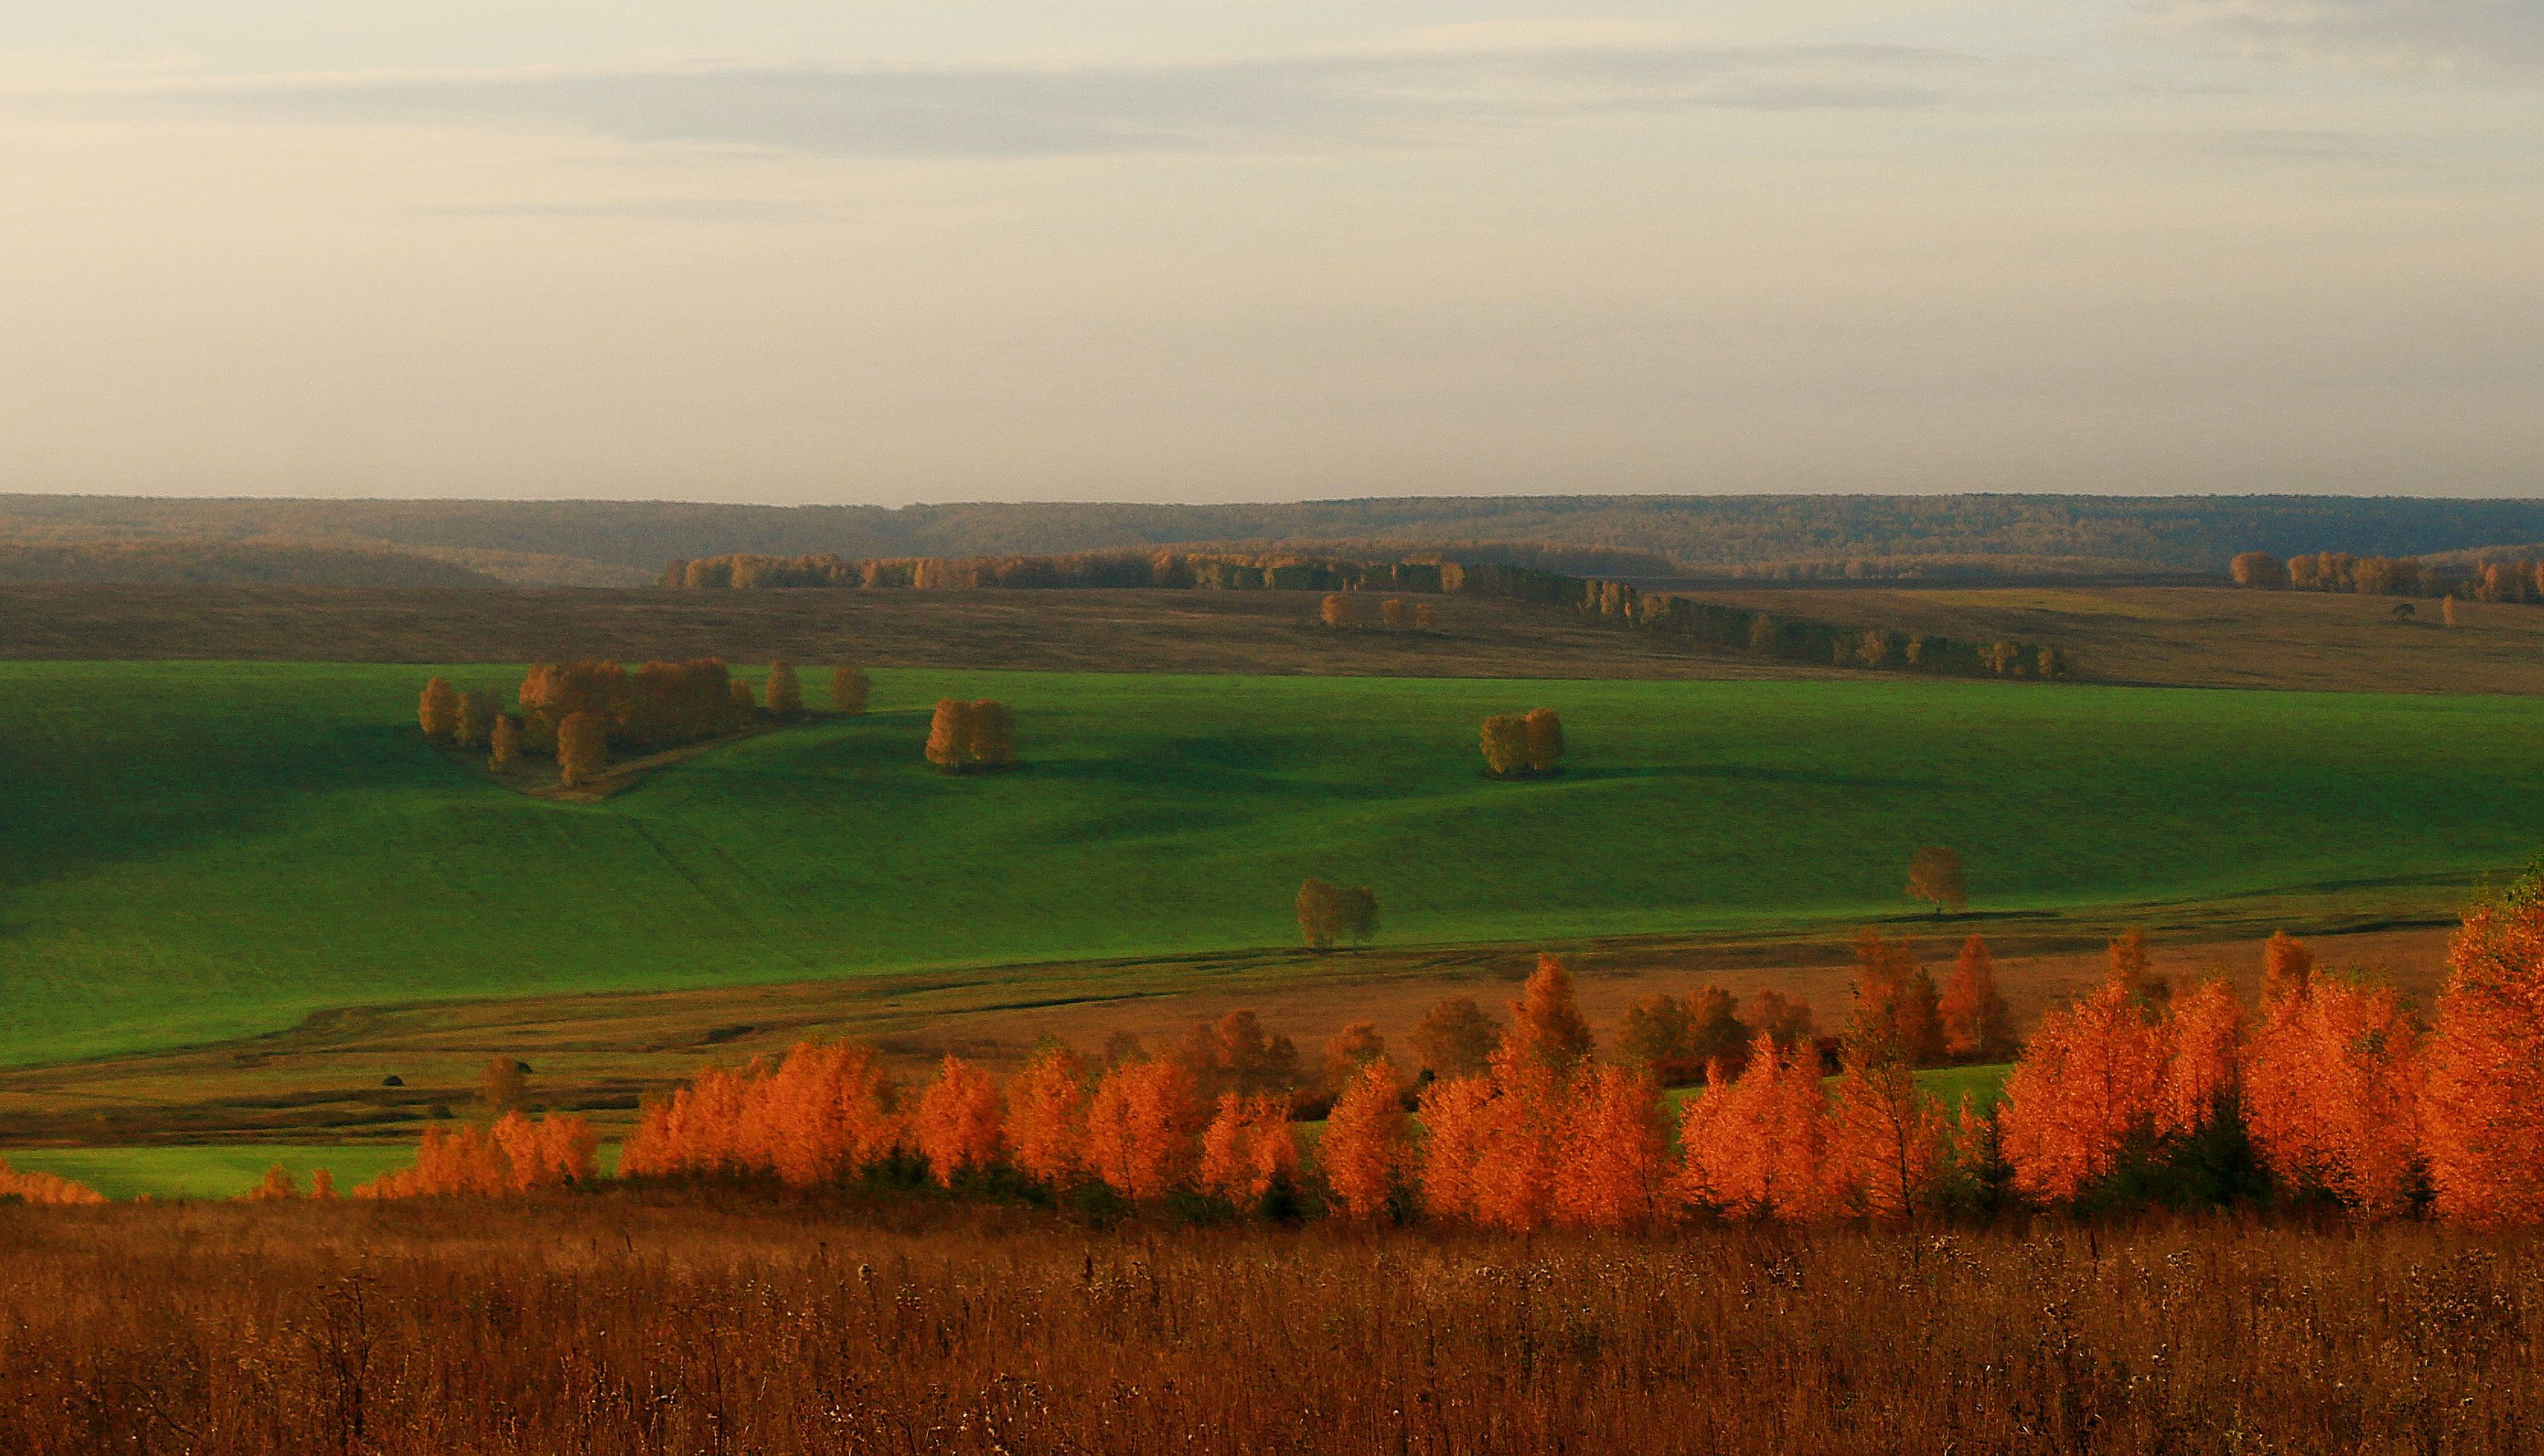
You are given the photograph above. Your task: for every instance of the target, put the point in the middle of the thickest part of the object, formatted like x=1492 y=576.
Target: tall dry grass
x=617 y=1324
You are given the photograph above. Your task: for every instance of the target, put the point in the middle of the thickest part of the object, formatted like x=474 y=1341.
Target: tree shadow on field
x=1743 y=773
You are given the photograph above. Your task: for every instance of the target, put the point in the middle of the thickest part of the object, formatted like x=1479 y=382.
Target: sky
x=1253 y=250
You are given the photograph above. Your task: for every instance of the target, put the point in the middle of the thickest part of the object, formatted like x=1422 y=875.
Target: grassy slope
x=204 y=850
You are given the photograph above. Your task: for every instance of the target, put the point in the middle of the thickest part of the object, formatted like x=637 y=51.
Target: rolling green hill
x=207 y=850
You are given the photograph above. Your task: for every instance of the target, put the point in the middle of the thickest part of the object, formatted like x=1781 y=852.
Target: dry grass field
x=1249 y=631
x=322 y=1081
x=621 y=1324
x=2184 y=636
x=2211 y=635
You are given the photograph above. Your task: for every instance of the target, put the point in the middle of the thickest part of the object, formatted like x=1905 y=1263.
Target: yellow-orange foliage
x=1453 y=1128
x=2128 y=957
x=2203 y=1071
x=2332 y=1094
x=1365 y=1152
x=824 y=1114
x=949 y=733
x=959 y=1126
x=785 y=692
x=477 y=715
x=2086 y=1087
x=44 y=1187
x=2485 y=1104
x=322 y=1185
x=1613 y=1151
x=849 y=689
x=437 y=710
x=276 y=1186
x=990 y=738
x=1047 y=1116
x=583 y=748
x=504 y=743
x=1505 y=743
x=1546 y=1029
x=1885 y=1141
x=1545 y=734
x=1894 y=1016
x=514 y=1156
x=1335 y=610
x=1141 y=1130
x=1346 y=1052
x=1757 y=1147
x=1247 y=1147
x=1975 y=1024
x=1520 y=1144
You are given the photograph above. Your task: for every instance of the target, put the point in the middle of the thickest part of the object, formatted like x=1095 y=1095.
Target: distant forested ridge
x=175 y=560
x=605 y=542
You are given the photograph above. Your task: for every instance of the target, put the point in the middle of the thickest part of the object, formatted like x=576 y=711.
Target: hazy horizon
x=1257 y=251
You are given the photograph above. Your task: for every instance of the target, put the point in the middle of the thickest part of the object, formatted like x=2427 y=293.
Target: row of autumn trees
x=2516 y=580
x=1346 y=609
x=580 y=712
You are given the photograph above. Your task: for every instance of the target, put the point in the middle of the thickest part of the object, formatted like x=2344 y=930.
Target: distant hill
x=177 y=560
x=608 y=542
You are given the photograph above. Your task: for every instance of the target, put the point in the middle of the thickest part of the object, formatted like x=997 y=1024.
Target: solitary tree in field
x=1328 y=913
x=949 y=735
x=504 y=742
x=1935 y=876
x=583 y=748
x=849 y=689
x=2449 y=612
x=785 y=693
x=1397 y=611
x=991 y=735
x=1336 y=609
x=437 y=710
x=1544 y=740
x=1505 y=745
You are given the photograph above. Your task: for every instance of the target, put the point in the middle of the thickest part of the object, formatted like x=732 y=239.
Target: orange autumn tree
x=1248 y=1148
x=1454 y=1130
x=276 y=1186
x=1894 y=1018
x=2485 y=1103
x=583 y=748
x=1345 y=1054
x=849 y=689
x=2203 y=1075
x=1142 y=1125
x=437 y=710
x=1366 y=1150
x=1504 y=739
x=514 y=1156
x=1974 y=1022
x=2332 y=1094
x=827 y=1111
x=1547 y=1029
x=1047 y=1116
x=1456 y=1039
x=1545 y=738
x=1757 y=1146
x=1935 y=876
x=1613 y=1151
x=959 y=1126
x=785 y=692
x=2084 y=1093
x=1886 y=1140
x=44 y=1187
x=2129 y=968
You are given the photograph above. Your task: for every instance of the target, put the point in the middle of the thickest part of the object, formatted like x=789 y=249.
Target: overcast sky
x=1218 y=249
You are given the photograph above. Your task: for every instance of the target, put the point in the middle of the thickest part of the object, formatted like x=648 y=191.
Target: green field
x=198 y=851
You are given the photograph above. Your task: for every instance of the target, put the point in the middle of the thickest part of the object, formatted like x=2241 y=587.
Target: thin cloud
x=1408 y=96
x=2452 y=36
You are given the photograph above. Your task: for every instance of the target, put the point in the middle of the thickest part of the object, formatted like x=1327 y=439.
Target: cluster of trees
x=517 y=1154
x=1797 y=640
x=1328 y=913
x=2339 y=571
x=43 y=1187
x=1523 y=745
x=1166 y=570
x=580 y=712
x=1342 y=610
x=977 y=737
